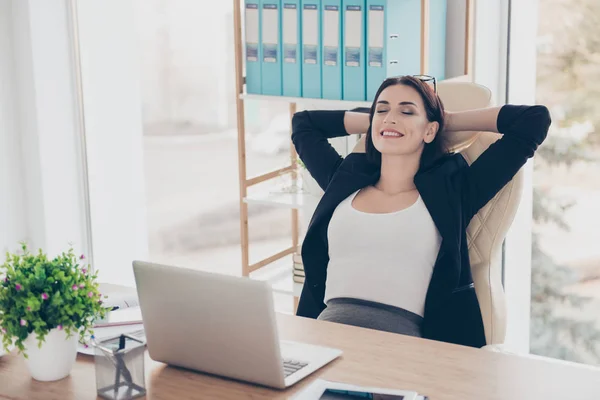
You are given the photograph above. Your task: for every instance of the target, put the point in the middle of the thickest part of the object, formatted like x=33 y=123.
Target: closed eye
x=381 y=111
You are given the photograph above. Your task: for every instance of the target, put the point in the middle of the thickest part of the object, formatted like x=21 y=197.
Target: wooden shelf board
x=282 y=199
x=343 y=104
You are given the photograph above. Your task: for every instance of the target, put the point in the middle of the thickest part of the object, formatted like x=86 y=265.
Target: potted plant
x=309 y=184
x=46 y=305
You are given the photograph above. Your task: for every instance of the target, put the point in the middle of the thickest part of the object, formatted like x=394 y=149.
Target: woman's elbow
x=543 y=119
x=299 y=120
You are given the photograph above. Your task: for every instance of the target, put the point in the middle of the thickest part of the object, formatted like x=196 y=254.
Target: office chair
x=488 y=228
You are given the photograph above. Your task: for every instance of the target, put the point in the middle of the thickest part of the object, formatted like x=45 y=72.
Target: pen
x=121 y=367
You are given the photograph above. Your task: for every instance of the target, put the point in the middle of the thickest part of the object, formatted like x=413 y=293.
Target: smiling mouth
x=391 y=134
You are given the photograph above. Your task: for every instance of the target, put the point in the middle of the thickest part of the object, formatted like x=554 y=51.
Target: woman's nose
x=389 y=120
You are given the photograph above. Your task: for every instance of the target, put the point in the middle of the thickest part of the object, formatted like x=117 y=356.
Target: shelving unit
x=281 y=199
x=305 y=100
x=296 y=201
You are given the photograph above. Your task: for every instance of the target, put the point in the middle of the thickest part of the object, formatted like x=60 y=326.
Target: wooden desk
x=439 y=370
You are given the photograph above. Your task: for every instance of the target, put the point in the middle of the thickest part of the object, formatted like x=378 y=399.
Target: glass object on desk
x=120 y=368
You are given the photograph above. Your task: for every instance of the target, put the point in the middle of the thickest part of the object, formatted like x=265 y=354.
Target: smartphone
x=331 y=394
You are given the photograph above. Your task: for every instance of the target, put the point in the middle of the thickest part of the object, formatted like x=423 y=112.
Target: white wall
x=41 y=185
x=13 y=223
x=42 y=197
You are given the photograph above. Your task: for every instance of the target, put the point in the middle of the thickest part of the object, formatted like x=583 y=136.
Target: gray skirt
x=368 y=314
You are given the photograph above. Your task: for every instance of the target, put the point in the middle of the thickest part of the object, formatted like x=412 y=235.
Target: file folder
x=311 y=49
x=354 y=70
x=253 y=48
x=292 y=65
x=331 y=22
x=437 y=38
x=271 y=48
x=394 y=40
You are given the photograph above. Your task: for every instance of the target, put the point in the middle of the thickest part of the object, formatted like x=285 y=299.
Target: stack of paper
x=116 y=297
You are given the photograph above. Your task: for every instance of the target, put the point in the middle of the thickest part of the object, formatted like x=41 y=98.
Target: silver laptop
x=221 y=325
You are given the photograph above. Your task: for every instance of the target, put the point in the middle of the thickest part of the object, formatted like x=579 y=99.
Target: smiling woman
x=411 y=105
x=387 y=246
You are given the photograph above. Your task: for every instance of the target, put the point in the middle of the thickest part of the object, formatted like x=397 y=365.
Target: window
x=565 y=290
x=190 y=140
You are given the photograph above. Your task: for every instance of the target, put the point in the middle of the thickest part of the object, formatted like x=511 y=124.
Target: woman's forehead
x=400 y=93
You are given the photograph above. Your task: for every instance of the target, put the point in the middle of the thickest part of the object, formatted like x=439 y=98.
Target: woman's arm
x=523 y=129
x=484 y=119
x=356 y=122
x=310 y=131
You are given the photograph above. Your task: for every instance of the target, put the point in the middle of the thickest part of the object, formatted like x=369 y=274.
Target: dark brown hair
x=434 y=109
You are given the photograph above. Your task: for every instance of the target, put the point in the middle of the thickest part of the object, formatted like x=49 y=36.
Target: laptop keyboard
x=292 y=366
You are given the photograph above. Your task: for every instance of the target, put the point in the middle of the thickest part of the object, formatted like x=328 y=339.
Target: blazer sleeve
x=524 y=128
x=310 y=131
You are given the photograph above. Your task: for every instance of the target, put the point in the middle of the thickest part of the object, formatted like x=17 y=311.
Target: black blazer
x=453 y=192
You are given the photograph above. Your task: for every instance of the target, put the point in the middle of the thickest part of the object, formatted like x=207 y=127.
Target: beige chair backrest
x=487 y=230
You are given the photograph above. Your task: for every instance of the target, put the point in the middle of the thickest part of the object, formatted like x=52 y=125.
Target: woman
x=386 y=248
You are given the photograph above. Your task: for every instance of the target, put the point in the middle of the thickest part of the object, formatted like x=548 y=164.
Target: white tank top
x=386 y=258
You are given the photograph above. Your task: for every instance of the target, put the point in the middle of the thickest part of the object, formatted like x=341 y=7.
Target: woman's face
x=400 y=125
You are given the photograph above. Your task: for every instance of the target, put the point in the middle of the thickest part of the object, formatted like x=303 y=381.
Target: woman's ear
x=432 y=130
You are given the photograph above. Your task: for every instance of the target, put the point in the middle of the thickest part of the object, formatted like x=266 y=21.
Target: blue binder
x=253 y=48
x=331 y=37
x=354 y=70
x=394 y=40
x=290 y=38
x=271 y=47
x=311 y=49
x=437 y=38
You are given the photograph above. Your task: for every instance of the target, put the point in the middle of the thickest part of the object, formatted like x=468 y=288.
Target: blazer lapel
x=432 y=188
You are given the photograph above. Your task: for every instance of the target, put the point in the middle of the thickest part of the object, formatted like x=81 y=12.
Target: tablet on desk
x=333 y=394
x=328 y=390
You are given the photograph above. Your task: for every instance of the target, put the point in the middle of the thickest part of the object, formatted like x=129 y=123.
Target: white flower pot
x=55 y=359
